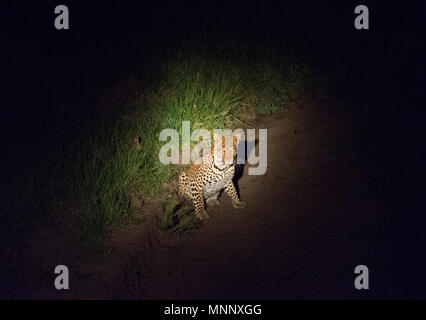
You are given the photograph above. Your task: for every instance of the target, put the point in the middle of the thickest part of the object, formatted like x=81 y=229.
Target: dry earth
x=309 y=221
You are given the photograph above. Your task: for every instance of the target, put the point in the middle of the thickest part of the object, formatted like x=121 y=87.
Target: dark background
x=46 y=73
x=46 y=67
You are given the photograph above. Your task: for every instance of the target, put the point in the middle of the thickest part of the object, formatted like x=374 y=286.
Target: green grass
x=177 y=217
x=210 y=87
x=187 y=222
x=167 y=220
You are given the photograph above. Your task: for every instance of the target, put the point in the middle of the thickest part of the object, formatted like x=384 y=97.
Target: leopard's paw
x=202 y=215
x=239 y=205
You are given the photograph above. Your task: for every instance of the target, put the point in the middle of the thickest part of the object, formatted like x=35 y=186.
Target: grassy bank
x=116 y=150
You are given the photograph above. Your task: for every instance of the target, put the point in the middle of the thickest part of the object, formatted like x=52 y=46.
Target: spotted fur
x=204 y=182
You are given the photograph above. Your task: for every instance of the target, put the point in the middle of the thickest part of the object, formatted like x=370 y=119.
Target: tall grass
x=209 y=86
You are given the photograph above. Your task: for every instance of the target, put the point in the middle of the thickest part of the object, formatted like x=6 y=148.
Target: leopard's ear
x=236 y=139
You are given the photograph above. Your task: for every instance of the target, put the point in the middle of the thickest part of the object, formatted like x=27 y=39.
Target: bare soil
x=309 y=221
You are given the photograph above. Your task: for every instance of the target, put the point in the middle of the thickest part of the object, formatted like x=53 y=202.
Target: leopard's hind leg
x=198 y=202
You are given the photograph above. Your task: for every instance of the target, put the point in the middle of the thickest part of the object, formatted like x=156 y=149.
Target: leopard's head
x=225 y=148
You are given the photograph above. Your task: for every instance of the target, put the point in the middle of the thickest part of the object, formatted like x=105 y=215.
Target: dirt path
x=308 y=223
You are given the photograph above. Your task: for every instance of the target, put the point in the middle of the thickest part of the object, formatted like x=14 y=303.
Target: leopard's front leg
x=198 y=201
x=232 y=193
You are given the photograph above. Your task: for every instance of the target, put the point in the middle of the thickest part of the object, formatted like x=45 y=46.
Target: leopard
x=204 y=182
